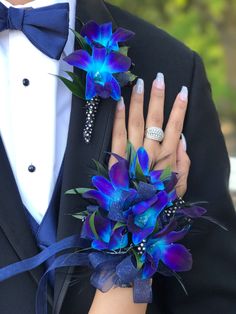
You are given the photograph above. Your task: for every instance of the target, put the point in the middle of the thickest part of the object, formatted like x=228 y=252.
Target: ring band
x=154 y=133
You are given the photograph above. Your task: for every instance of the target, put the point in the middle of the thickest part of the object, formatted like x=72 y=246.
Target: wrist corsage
x=131 y=230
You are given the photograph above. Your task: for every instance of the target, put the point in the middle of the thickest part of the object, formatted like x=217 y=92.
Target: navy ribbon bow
x=47 y=27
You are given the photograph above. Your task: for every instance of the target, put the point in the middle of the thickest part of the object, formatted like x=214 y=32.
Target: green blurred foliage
x=208 y=27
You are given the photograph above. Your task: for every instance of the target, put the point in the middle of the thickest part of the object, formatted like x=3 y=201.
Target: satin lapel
x=78 y=155
x=12 y=217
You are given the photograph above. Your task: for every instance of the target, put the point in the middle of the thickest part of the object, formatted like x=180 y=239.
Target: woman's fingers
x=136 y=120
x=155 y=114
x=119 y=133
x=182 y=168
x=175 y=123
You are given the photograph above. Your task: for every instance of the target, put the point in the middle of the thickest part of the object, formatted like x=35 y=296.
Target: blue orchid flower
x=142 y=218
x=115 y=196
x=104 y=234
x=100 y=68
x=161 y=247
x=102 y=35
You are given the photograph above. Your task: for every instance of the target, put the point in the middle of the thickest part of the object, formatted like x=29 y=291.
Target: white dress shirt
x=34 y=112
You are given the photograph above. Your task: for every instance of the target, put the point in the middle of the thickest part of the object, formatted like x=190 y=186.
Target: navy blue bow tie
x=47 y=27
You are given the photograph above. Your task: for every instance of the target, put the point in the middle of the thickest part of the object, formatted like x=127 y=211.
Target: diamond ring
x=154 y=133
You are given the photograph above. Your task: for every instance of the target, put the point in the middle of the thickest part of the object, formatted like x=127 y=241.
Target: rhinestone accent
x=91 y=110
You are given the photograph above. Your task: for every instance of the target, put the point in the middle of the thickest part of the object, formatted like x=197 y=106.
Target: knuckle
x=155 y=120
x=176 y=125
x=120 y=134
x=137 y=123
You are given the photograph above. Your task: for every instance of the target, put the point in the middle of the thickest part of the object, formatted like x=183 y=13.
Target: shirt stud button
x=31 y=168
x=25 y=82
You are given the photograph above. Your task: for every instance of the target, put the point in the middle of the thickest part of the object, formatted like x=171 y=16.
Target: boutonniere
x=102 y=67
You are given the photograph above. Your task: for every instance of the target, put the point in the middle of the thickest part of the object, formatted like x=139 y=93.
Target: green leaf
x=124 y=50
x=78 y=191
x=82 y=42
x=81 y=215
x=166 y=173
x=72 y=87
x=118 y=225
x=92 y=225
x=138 y=260
x=130 y=152
x=102 y=171
x=77 y=80
x=131 y=76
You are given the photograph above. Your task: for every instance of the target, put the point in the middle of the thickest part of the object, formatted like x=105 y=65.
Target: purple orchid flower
x=102 y=35
x=142 y=219
x=105 y=234
x=161 y=247
x=115 y=196
x=100 y=67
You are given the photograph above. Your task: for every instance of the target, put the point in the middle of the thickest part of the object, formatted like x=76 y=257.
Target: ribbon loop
x=15 y=18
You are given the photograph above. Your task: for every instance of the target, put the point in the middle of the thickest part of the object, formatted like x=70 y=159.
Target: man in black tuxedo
x=212 y=282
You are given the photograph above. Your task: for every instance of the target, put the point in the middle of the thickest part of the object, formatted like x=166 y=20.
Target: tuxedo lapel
x=78 y=155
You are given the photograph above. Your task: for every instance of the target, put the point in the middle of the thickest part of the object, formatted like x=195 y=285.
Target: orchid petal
x=159 y=185
x=155 y=175
x=103 y=185
x=80 y=59
x=142 y=234
x=99 y=58
x=116 y=62
x=121 y=35
x=119 y=175
x=90 y=30
x=103 y=228
x=86 y=231
x=141 y=207
x=90 y=87
x=194 y=211
x=175 y=235
x=119 y=239
x=146 y=219
x=115 y=89
x=105 y=33
x=162 y=201
x=99 y=245
x=150 y=267
x=143 y=160
x=102 y=200
x=176 y=257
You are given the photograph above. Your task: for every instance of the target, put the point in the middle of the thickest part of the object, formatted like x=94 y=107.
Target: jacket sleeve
x=211 y=284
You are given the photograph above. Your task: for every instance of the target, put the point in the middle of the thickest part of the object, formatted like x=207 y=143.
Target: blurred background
x=208 y=27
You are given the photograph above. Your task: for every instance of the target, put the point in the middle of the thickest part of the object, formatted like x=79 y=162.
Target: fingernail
x=139 y=87
x=184 y=93
x=121 y=104
x=160 y=81
x=184 y=142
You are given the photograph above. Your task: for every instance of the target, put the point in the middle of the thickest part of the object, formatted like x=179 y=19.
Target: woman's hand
x=171 y=152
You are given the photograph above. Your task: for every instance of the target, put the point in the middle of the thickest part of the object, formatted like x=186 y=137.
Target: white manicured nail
x=184 y=93
x=160 y=81
x=139 y=86
x=121 y=104
x=184 y=142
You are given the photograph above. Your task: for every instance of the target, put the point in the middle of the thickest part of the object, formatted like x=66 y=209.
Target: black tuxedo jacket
x=212 y=282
